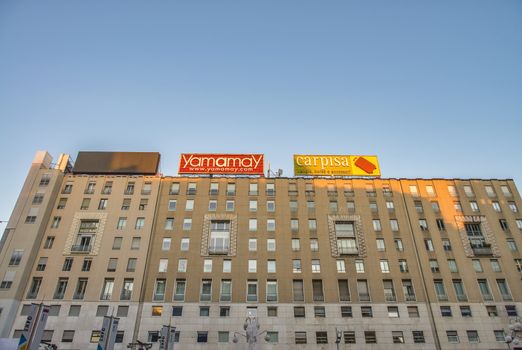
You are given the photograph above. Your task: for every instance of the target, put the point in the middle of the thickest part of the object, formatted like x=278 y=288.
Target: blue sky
x=434 y=88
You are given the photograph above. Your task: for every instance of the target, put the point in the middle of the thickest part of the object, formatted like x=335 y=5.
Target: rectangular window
x=300 y=337
x=179 y=290
x=346 y=311
x=108 y=286
x=418 y=337
x=251 y=290
x=253 y=189
x=397 y=337
x=131 y=265
x=298 y=290
x=182 y=265
x=473 y=336
x=349 y=337
x=67 y=264
x=61 y=287
x=271 y=291
x=225 y=290
x=206 y=290
x=140 y=222
x=252 y=266
x=413 y=311
x=321 y=337
x=344 y=290
x=126 y=290
x=32 y=293
x=42 y=263
x=370 y=337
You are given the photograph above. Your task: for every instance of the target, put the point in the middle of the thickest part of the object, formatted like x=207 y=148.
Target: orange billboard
x=238 y=164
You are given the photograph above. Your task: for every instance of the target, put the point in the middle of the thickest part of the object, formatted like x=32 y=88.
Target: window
x=135 y=243
x=85 y=204
x=344 y=290
x=131 y=265
x=108 y=286
x=61 y=203
x=423 y=224
x=271 y=266
x=231 y=189
x=270 y=189
x=373 y=207
x=312 y=225
x=465 y=311
x=86 y=264
x=252 y=266
x=505 y=191
x=56 y=222
x=346 y=311
x=129 y=190
x=394 y=225
x=300 y=337
x=511 y=310
x=513 y=207
x=495 y=265
x=126 y=204
x=457 y=206
x=224 y=311
x=67 y=189
x=518 y=264
x=159 y=289
x=474 y=206
x=459 y=290
x=370 y=337
x=229 y=205
x=504 y=289
x=227 y=266
x=251 y=290
x=445 y=311
x=270 y=206
x=16 y=257
x=187 y=224
x=519 y=223
x=385 y=267
x=453 y=336
x=74 y=310
x=191 y=188
x=49 y=240
x=272 y=337
x=398 y=244
x=376 y=225
x=219 y=237
x=296 y=246
x=317 y=290
x=184 y=244
x=484 y=289
x=298 y=291
x=452 y=264
x=95 y=336
x=172 y=205
x=253 y=189
x=32 y=293
x=413 y=311
x=389 y=290
x=226 y=290
x=403 y=265
x=271 y=311
x=398 y=337
x=252 y=225
x=126 y=290
x=316 y=266
x=452 y=190
x=359 y=266
x=223 y=337
x=270 y=245
x=207 y=265
x=429 y=245
x=492 y=310
x=314 y=245
x=418 y=207
x=252 y=205
x=202 y=336
x=362 y=290
x=393 y=311
x=166 y=243
x=67 y=264
x=446 y=245
x=434 y=266
x=321 y=337
x=500 y=336
x=214 y=189
x=440 y=290
x=380 y=245
x=179 y=290
x=490 y=191
x=349 y=337
x=111 y=267
x=182 y=265
x=418 y=337
x=414 y=191
x=503 y=224
x=102 y=205
x=30 y=219
x=333 y=206
x=140 y=222
x=271 y=291
x=174 y=188
x=473 y=336
x=270 y=225
x=42 y=263
x=163 y=264
x=512 y=246
x=206 y=290
x=293 y=206
x=61 y=287
x=341 y=267
x=204 y=311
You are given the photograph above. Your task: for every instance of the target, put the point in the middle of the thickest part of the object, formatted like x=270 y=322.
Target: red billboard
x=238 y=164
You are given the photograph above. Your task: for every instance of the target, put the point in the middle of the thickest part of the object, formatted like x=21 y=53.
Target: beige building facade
x=400 y=263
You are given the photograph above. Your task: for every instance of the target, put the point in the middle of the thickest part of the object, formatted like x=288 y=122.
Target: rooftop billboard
x=237 y=164
x=335 y=165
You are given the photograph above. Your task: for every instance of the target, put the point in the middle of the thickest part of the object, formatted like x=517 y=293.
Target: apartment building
x=366 y=262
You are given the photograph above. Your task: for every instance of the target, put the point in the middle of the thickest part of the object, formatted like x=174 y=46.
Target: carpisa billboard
x=336 y=165
x=238 y=164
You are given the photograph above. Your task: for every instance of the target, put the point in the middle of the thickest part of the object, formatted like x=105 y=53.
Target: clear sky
x=434 y=88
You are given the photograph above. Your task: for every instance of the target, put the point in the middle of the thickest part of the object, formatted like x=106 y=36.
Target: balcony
x=347 y=251
x=462 y=297
x=390 y=297
x=218 y=250
x=484 y=250
x=81 y=248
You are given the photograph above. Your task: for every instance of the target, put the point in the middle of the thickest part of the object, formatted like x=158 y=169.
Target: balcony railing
x=125 y=295
x=364 y=297
x=346 y=251
x=179 y=297
x=252 y=297
x=482 y=250
x=205 y=297
x=462 y=297
x=390 y=297
x=487 y=297
x=319 y=297
x=81 y=248
x=442 y=297
x=410 y=297
x=218 y=250
x=106 y=296
x=507 y=297
x=271 y=297
x=225 y=297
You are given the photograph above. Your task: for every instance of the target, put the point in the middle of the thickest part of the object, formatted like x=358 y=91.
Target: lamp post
x=251 y=327
x=515 y=326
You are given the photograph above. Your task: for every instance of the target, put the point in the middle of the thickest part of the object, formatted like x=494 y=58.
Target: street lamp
x=515 y=326
x=251 y=327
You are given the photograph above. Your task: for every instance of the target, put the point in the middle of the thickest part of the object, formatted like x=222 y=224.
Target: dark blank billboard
x=127 y=163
